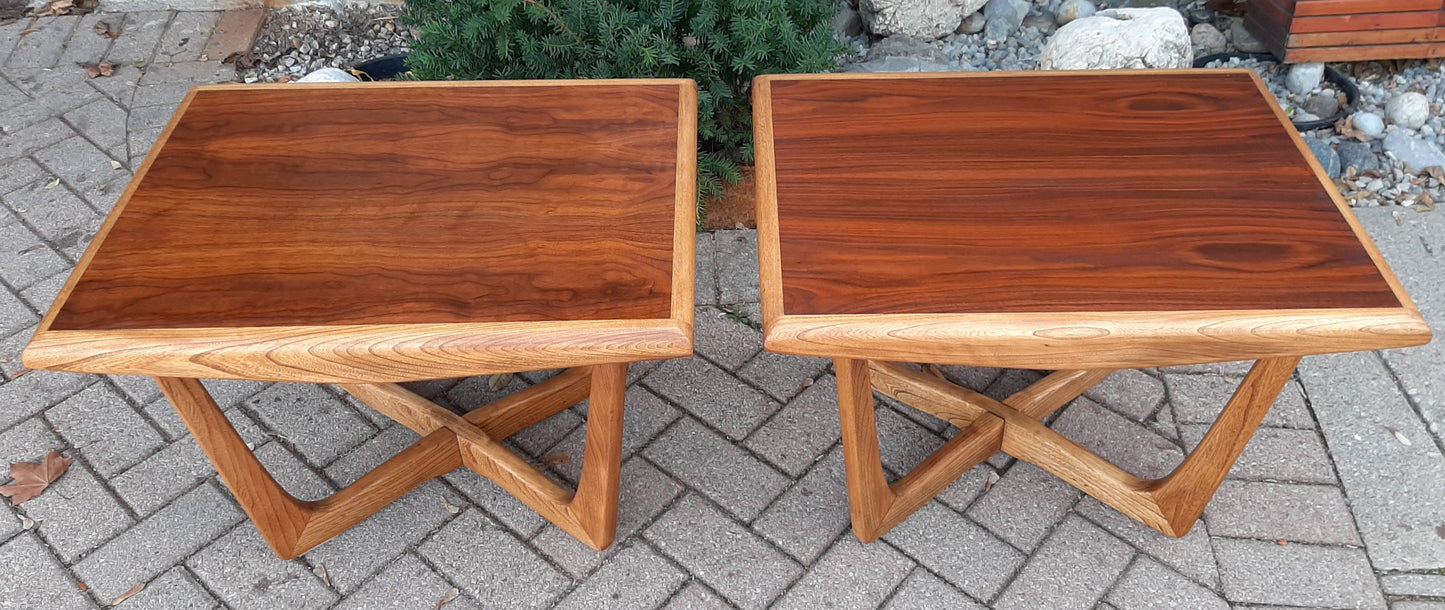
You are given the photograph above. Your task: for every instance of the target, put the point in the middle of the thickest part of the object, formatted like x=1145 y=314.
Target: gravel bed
x=301 y=39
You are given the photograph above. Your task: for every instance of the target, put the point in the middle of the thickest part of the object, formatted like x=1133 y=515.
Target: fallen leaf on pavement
x=1404 y=440
x=26 y=523
x=54 y=182
x=128 y=594
x=320 y=572
x=284 y=79
x=451 y=594
x=104 y=68
x=988 y=484
x=557 y=458
x=451 y=508
x=82 y=586
x=105 y=29
x=32 y=478
x=499 y=381
x=114 y=164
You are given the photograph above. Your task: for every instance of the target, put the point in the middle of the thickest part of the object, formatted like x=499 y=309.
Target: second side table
x=1073 y=222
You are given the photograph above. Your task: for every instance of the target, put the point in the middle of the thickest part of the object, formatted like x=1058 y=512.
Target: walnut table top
x=386 y=232
x=1056 y=220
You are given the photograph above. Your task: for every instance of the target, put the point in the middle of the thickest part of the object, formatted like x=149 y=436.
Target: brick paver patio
x=733 y=493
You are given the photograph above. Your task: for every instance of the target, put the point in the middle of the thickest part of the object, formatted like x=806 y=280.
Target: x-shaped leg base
x=293 y=526
x=1171 y=504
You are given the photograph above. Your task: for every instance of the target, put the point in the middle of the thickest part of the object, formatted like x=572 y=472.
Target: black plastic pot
x=1352 y=93
x=382 y=68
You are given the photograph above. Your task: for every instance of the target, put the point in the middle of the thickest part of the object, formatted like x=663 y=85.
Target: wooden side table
x=368 y=234
x=1075 y=222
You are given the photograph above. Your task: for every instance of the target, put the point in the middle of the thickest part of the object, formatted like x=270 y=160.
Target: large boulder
x=1121 y=38
x=926 y=19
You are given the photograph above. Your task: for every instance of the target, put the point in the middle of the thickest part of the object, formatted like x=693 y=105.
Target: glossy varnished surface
x=401 y=205
x=1098 y=193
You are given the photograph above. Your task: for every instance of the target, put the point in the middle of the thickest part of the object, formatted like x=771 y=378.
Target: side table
x=364 y=235
x=1074 y=222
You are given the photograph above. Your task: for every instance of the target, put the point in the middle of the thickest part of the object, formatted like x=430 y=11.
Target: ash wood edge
x=759 y=81
x=115 y=212
x=770 y=262
x=1095 y=340
x=1345 y=210
x=357 y=354
x=684 y=83
x=684 y=228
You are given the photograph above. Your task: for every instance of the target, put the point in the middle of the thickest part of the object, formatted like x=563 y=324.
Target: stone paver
x=1396 y=491
x=722 y=553
x=733 y=485
x=1261 y=572
x=1072 y=569
x=964 y=554
x=491 y=565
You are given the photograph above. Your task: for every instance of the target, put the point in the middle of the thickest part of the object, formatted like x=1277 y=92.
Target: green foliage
x=721 y=44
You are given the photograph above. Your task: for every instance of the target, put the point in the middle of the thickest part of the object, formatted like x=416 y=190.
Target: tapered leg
x=293 y=526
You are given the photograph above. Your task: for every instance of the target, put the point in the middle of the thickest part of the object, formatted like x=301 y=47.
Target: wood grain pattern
x=408 y=231
x=1357 y=53
x=1365 y=21
x=1309 y=8
x=1369 y=37
x=1003 y=288
x=394 y=206
x=292 y=527
x=1063 y=186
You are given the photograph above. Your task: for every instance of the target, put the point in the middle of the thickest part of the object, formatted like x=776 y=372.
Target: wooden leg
x=1171 y=504
x=293 y=526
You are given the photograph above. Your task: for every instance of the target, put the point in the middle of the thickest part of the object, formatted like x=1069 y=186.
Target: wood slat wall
x=1349 y=30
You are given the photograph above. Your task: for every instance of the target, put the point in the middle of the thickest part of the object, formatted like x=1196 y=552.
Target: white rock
x=1121 y=38
x=926 y=19
x=1369 y=123
x=1208 y=39
x=1414 y=152
x=1408 y=109
x=1303 y=78
x=328 y=75
x=1073 y=10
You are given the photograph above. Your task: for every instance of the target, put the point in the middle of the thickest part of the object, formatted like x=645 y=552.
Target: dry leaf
x=1346 y=127
x=26 y=523
x=451 y=508
x=1282 y=542
x=104 y=29
x=451 y=594
x=82 y=586
x=1404 y=440
x=243 y=60
x=285 y=78
x=114 y=164
x=988 y=483
x=1426 y=203
x=54 y=182
x=1399 y=220
x=557 y=458
x=1436 y=172
x=128 y=594
x=29 y=31
x=807 y=383
x=320 y=572
x=104 y=68
x=499 y=381
x=32 y=478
